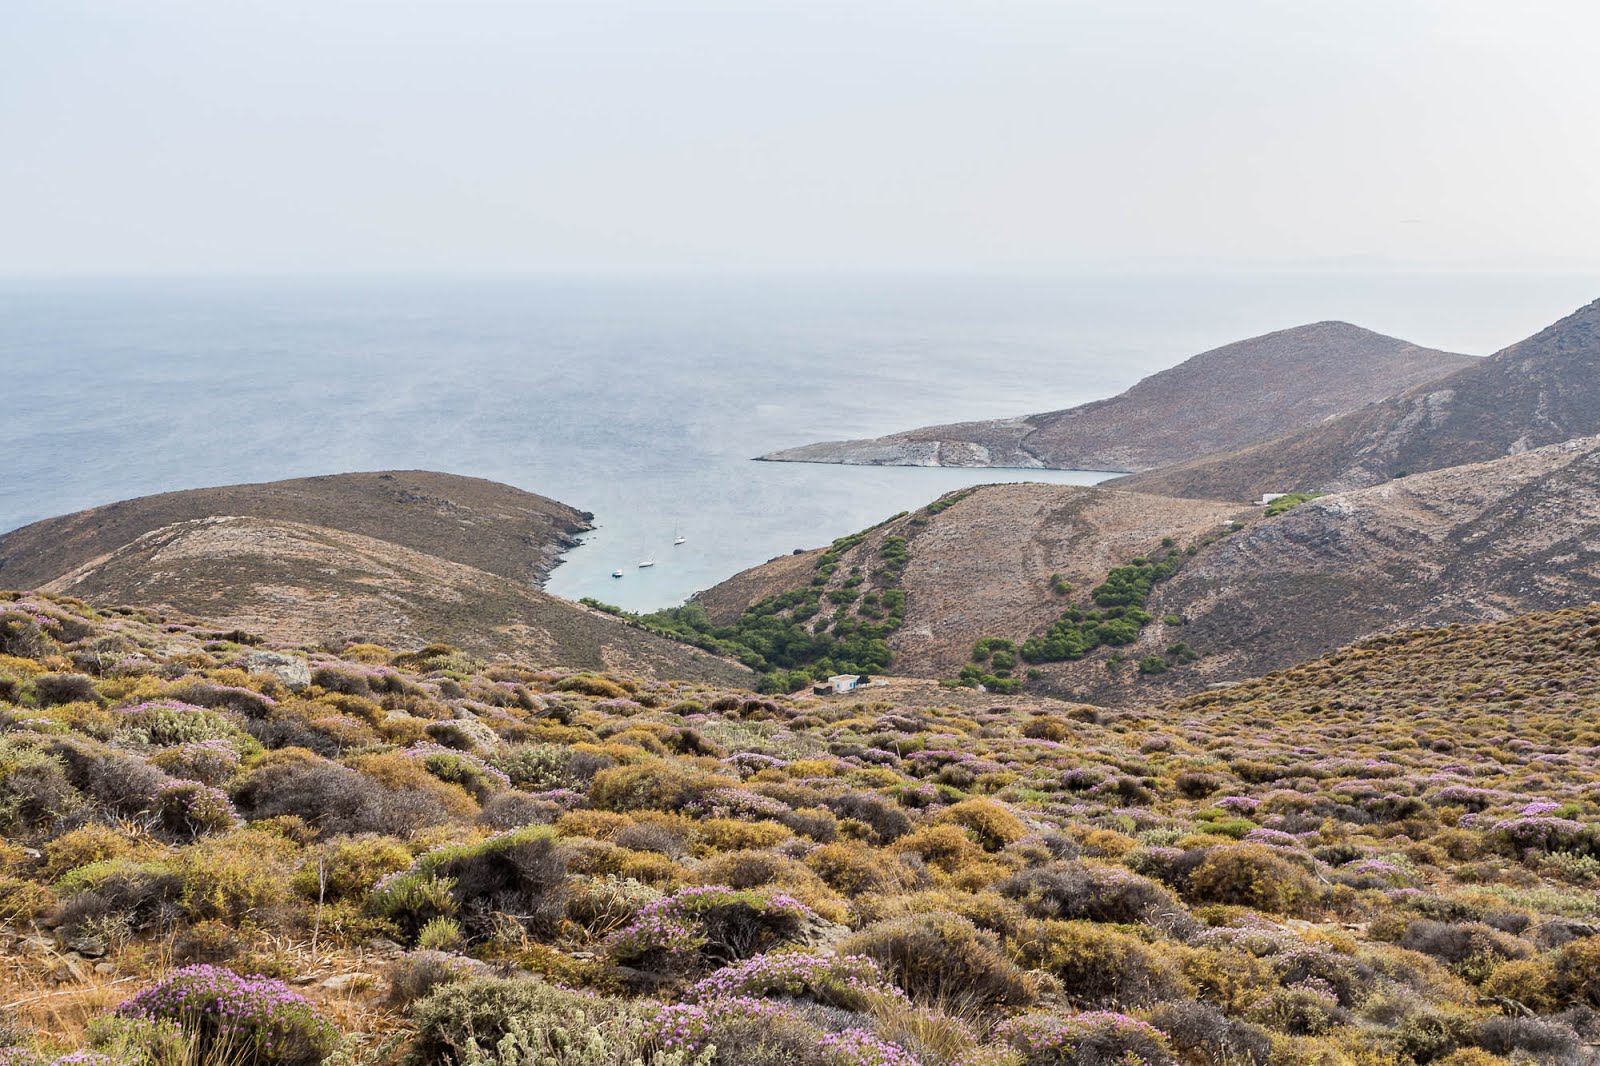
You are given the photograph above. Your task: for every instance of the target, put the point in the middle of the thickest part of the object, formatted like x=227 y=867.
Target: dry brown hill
x=981 y=562
x=1466 y=544
x=468 y=520
x=402 y=559
x=1221 y=399
x=1542 y=390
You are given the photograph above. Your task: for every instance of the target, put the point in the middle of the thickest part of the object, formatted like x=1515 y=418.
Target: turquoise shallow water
x=642 y=402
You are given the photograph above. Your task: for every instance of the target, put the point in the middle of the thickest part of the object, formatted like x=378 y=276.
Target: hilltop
x=1385 y=856
x=403 y=558
x=1542 y=390
x=1222 y=399
x=468 y=520
x=1111 y=597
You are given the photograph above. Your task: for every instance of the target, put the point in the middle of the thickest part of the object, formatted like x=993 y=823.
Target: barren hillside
x=1542 y=390
x=401 y=559
x=468 y=520
x=984 y=562
x=1221 y=399
x=1466 y=544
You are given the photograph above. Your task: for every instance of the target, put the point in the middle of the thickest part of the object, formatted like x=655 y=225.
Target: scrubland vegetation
x=1289 y=501
x=1115 y=619
x=837 y=624
x=219 y=852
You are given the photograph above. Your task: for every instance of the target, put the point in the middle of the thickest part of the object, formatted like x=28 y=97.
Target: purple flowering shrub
x=168 y=722
x=710 y=923
x=252 y=1021
x=851 y=982
x=689 y=1026
x=462 y=768
x=211 y=762
x=753 y=1031
x=1096 y=1038
x=188 y=809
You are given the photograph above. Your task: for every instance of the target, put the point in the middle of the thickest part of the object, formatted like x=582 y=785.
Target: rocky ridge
x=1539 y=391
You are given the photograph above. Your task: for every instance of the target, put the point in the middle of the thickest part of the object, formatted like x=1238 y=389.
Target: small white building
x=1268 y=497
x=844 y=682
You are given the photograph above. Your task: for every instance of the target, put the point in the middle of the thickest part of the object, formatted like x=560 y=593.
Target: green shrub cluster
x=834 y=625
x=1289 y=502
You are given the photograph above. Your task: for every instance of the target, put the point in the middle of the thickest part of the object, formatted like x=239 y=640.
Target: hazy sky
x=650 y=135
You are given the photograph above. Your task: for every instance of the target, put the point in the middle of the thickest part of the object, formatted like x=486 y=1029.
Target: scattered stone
x=821 y=933
x=70 y=969
x=345 y=982
x=89 y=947
x=37 y=945
x=291 y=670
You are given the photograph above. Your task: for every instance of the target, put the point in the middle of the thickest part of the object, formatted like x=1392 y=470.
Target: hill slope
x=1472 y=543
x=1221 y=399
x=661 y=861
x=402 y=560
x=468 y=520
x=978 y=562
x=1539 y=661
x=1542 y=390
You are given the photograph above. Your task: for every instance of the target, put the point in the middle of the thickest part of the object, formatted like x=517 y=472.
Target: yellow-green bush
x=1099 y=966
x=1253 y=875
x=991 y=824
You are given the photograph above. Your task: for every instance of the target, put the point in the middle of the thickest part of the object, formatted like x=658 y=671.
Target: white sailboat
x=647 y=562
x=616 y=573
x=677 y=537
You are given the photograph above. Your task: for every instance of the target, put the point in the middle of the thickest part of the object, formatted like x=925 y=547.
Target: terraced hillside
x=999 y=559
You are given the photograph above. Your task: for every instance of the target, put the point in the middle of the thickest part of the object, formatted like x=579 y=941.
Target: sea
x=641 y=400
